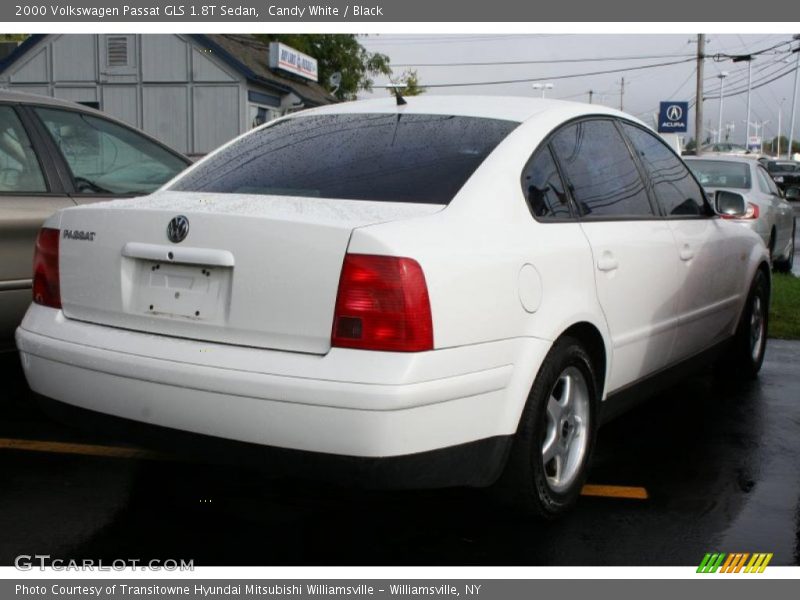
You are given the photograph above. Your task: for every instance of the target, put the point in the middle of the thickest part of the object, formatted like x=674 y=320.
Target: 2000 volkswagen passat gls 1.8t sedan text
x=444 y=292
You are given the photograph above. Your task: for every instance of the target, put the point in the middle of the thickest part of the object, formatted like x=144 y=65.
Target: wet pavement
x=720 y=462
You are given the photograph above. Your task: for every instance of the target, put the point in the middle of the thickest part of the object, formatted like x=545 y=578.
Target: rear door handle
x=686 y=253
x=607 y=262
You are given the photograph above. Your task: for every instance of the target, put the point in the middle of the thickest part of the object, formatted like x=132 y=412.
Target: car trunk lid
x=253 y=270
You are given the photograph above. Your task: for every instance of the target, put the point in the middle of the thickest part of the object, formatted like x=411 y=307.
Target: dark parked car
x=55 y=154
x=786 y=174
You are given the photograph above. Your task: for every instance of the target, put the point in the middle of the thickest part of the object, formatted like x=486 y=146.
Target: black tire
x=786 y=265
x=744 y=361
x=526 y=481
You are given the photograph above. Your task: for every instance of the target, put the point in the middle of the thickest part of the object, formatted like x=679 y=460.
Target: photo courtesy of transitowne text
x=399 y=300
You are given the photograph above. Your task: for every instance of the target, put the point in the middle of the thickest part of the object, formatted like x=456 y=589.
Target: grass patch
x=784 y=312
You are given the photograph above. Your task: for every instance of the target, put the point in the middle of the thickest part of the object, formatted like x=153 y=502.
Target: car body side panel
x=710 y=276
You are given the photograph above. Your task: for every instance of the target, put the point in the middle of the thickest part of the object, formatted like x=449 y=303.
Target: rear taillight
x=750 y=213
x=382 y=304
x=46 y=284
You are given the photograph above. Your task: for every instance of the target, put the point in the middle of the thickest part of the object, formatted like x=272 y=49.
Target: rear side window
x=603 y=178
x=673 y=184
x=762 y=182
x=544 y=189
x=766 y=183
x=382 y=157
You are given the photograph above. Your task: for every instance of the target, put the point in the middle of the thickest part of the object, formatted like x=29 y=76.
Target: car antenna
x=396 y=89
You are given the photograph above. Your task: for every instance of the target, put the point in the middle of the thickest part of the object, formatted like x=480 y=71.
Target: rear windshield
x=718 y=173
x=776 y=167
x=384 y=157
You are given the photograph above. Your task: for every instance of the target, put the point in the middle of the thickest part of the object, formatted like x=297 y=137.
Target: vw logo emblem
x=674 y=112
x=178 y=229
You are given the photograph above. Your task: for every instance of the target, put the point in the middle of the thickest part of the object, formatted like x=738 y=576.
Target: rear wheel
x=550 y=456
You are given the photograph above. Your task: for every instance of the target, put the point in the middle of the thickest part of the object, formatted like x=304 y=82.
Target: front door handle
x=686 y=253
x=607 y=262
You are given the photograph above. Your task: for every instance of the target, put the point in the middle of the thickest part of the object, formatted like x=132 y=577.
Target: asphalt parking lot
x=706 y=466
x=717 y=462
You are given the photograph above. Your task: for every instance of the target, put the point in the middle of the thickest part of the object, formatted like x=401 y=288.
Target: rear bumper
x=348 y=403
x=475 y=464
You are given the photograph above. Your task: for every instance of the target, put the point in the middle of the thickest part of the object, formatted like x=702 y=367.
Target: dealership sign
x=673 y=117
x=286 y=58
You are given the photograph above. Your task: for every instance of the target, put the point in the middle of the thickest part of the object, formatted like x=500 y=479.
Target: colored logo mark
x=735 y=562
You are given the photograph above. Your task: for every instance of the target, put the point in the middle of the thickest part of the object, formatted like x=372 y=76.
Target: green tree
x=691 y=144
x=338 y=53
x=410 y=80
x=13 y=37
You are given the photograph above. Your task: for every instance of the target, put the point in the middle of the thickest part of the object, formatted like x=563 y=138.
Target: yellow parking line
x=82 y=449
x=605 y=491
x=615 y=491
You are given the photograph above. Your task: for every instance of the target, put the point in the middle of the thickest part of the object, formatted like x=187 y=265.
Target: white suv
x=425 y=294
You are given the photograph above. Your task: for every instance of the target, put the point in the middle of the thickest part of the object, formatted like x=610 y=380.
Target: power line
x=789 y=69
x=551 y=77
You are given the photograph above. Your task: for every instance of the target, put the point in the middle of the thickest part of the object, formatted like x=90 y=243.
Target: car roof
x=25 y=98
x=509 y=108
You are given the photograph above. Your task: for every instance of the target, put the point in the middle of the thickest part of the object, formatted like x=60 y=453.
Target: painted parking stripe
x=82 y=449
x=604 y=491
x=615 y=491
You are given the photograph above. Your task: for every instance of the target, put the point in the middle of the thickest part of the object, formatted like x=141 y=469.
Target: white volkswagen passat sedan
x=444 y=292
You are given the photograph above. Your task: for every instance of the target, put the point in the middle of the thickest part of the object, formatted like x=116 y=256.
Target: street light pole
x=749 y=59
x=780 y=115
x=542 y=86
x=794 y=97
x=722 y=77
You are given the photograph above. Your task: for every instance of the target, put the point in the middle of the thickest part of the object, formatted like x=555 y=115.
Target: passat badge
x=178 y=229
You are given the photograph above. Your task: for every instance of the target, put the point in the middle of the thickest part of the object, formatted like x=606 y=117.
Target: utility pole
x=780 y=129
x=591 y=93
x=622 y=94
x=794 y=97
x=698 y=100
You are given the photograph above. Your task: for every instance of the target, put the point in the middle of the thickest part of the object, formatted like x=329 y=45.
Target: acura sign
x=673 y=117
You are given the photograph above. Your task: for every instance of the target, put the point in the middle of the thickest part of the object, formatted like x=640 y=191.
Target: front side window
x=544 y=189
x=20 y=171
x=381 y=157
x=673 y=184
x=106 y=158
x=601 y=173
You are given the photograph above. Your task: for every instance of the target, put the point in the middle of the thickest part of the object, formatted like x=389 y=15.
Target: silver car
x=768 y=213
x=55 y=154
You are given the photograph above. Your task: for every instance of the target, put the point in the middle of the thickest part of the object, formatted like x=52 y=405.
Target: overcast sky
x=643 y=88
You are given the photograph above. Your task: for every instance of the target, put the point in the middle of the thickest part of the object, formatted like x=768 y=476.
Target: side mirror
x=792 y=194
x=730 y=204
